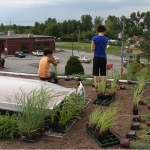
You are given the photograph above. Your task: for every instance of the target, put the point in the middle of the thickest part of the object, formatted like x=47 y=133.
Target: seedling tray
x=61 y=128
x=34 y=139
x=105 y=102
x=109 y=139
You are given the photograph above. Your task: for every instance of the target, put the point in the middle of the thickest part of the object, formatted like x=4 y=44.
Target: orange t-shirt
x=44 y=68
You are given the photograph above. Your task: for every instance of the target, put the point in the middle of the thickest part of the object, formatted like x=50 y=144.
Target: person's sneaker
x=94 y=86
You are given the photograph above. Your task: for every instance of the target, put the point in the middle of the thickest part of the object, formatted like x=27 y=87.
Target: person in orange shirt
x=44 y=65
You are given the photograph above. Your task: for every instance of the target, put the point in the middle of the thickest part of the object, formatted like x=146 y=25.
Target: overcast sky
x=27 y=12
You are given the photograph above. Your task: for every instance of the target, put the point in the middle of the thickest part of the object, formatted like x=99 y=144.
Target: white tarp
x=11 y=85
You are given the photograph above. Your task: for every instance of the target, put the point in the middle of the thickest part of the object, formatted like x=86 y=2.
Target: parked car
x=57 y=59
x=37 y=52
x=84 y=59
x=78 y=55
x=19 y=54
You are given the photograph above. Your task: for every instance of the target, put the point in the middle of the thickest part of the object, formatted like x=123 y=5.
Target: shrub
x=73 y=66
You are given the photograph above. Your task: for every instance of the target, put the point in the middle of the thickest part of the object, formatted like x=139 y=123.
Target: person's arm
x=52 y=60
x=106 y=46
x=92 y=46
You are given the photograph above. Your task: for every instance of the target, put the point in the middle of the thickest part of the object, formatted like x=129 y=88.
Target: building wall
x=15 y=44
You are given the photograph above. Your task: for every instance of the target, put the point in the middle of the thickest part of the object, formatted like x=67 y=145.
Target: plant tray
x=61 y=128
x=109 y=139
x=105 y=102
x=34 y=139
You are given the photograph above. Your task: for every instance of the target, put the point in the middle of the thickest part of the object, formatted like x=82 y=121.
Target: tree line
x=84 y=28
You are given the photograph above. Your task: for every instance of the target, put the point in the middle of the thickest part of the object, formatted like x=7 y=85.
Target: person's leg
x=103 y=69
x=95 y=71
x=51 y=76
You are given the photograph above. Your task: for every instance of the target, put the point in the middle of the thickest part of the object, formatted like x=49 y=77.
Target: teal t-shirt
x=100 y=45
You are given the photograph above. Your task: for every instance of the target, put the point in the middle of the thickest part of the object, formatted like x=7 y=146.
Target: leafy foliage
x=8 y=126
x=73 y=66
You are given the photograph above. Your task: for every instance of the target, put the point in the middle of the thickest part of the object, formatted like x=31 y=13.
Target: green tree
x=86 y=22
x=145 y=45
x=98 y=20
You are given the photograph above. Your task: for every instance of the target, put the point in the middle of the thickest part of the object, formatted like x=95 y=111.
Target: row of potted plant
x=101 y=120
x=69 y=110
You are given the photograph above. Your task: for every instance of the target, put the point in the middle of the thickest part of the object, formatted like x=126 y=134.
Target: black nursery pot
x=135 y=111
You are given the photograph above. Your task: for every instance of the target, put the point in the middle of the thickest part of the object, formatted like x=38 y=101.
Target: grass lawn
x=85 y=47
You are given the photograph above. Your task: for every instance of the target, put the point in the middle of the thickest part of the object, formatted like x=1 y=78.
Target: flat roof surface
x=9 y=86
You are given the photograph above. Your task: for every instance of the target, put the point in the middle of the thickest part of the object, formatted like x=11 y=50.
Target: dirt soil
x=76 y=137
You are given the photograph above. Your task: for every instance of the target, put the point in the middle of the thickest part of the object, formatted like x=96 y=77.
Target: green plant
x=32 y=108
x=54 y=69
x=115 y=75
x=73 y=66
x=101 y=86
x=113 y=87
x=8 y=126
x=69 y=109
x=148 y=67
x=107 y=119
x=138 y=144
x=138 y=91
x=94 y=117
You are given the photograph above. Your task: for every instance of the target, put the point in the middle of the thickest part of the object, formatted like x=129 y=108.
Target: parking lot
x=29 y=64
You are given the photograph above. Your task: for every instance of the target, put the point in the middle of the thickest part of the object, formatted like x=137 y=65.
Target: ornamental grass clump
x=138 y=91
x=101 y=87
x=94 y=117
x=69 y=109
x=101 y=119
x=32 y=108
x=107 y=119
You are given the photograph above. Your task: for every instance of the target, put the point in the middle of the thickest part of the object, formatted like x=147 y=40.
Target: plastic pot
x=136 y=118
x=148 y=123
x=122 y=87
x=135 y=111
x=125 y=143
x=148 y=106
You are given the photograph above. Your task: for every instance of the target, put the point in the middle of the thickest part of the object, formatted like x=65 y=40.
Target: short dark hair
x=100 y=28
x=47 y=51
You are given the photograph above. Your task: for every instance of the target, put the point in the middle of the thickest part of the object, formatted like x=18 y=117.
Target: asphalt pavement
x=29 y=64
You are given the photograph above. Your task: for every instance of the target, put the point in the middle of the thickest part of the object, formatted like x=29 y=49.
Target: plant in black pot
x=106 y=121
x=100 y=122
x=32 y=108
x=67 y=112
x=101 y=87
x=138 y=92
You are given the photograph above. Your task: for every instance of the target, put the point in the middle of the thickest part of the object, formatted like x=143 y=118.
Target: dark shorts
x=99 y=66
x=49 y=78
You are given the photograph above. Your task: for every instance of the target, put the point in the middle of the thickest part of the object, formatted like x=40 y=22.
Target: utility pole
x=122 y=48
x=72 y=43
x=78 y=41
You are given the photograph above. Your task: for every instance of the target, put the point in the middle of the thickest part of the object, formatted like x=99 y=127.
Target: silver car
x=84 y=59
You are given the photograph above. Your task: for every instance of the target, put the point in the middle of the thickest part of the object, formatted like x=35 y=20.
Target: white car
x=57 y=59
x=37 y=52
x=78 y=55
x=84 y=59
